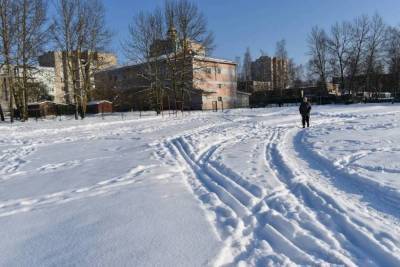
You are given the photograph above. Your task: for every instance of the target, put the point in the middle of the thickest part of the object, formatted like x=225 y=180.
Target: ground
x=235 y=188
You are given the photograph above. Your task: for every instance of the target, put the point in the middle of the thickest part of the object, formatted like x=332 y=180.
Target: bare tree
x=96 y=38
x=31 y=36
x=295 y=73
x=8 y=11
x=374 y=48
x=238 y=68
x=392 y=52
x=318 y=51
x=187 y=28
x=339 y=49
x=282 y=69
x=246 y=67
x=280 y=51
x=78 y=30
x=164 y=43
x=67 y=34
x=141 y=48
x=359 y=33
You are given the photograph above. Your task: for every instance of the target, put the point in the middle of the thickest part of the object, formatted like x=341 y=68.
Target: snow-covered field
x=243 y=187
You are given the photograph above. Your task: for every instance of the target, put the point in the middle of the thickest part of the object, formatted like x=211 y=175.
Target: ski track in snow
x=319 y=211
x=298 y=223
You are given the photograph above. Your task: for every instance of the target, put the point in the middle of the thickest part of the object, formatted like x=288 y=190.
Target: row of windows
x=209 y=70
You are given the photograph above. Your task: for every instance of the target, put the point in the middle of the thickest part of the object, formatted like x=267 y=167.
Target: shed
x=42 y=109
x=242 y=99
x=101 y=106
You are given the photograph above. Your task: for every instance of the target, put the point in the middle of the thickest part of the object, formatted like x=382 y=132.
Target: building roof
x=98 y=102
x=200 y=58
x=216 y=60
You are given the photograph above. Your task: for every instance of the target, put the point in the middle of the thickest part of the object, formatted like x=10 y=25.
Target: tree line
x=365 y=46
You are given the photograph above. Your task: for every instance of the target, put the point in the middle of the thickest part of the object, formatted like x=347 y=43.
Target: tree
x=374 y=48
x=31 y=36
x=238 y=68
x=295 y=73
x=96 y=38
x=280 y=51
x=144 y=32
x=282 y=74
x=246 y=67
x=392 y=52
x=164 y=42
x=359 y=32
x=79 y=30
x=8 y=11
x=339 y=49
x=318 y=51
x=188 y=26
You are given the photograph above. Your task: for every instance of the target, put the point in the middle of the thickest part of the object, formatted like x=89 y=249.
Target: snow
x=241 y=187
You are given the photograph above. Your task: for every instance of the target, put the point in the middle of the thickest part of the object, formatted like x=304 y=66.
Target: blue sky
x=259 y=24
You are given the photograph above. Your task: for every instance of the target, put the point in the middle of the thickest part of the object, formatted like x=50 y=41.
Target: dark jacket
x=305 y=109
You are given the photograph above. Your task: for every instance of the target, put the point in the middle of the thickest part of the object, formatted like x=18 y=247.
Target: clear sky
x=259 y=24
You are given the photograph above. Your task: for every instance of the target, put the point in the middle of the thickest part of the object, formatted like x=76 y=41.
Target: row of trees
x=77 y=27
x=364 y=47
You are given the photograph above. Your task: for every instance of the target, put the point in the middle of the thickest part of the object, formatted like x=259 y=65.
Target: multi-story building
x=270 y=70
x=209 y=83
x=280 y=73
x=63 y=89
x=262 y=69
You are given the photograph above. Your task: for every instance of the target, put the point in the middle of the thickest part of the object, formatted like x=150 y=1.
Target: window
x=207 y=70
x=219 y=86
x=218 y=70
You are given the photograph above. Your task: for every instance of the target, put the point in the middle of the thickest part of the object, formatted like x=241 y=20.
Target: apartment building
x=63 y=88
x=270 y=70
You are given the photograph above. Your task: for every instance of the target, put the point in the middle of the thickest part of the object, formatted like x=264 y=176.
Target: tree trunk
x=1 y=114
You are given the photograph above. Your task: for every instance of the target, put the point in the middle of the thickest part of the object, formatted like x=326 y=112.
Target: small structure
x=243 y=99
x=42 y=109
x=101 y=106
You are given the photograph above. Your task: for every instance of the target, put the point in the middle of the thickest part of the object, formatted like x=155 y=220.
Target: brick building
x=209 y=83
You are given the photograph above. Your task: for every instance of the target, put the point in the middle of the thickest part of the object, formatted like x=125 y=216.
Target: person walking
x=305 y=110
